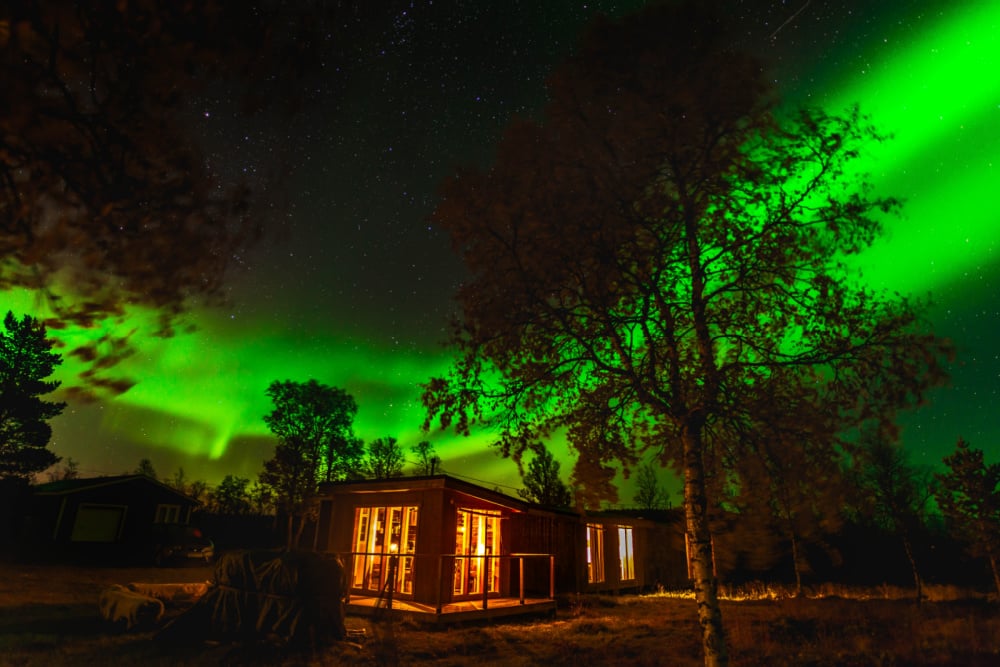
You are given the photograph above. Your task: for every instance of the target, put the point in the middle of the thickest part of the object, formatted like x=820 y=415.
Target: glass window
x=98 y=523
x=625 y=553
x=384 y=540
x=477 y=538
x=595 y=553
x=168 y=514
x=362 y=516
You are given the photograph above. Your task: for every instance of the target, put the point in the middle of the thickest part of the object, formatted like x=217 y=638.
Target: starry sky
x=352 y=287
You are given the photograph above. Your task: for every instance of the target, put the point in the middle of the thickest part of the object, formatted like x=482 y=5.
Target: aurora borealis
x=354 y=291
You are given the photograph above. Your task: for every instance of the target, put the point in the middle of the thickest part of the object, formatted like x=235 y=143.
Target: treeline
x=872 y=517
x=313 y=424
x=786 y=511
x=876 y=517
x=235 y=495
x=316 y=443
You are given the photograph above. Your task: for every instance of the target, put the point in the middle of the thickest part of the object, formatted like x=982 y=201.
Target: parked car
x=178 y=544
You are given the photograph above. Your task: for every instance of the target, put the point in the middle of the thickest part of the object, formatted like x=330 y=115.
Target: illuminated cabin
x=440 y=545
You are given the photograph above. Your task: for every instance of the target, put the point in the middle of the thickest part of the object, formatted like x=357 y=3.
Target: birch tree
x=658 y=256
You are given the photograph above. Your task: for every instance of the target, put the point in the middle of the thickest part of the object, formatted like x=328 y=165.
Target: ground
x=48 y=616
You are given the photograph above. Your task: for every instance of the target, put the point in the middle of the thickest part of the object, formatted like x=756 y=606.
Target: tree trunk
x=795 y=564
x=917 y=581
x=993 y=566
x=297 y=543
x=705 y=584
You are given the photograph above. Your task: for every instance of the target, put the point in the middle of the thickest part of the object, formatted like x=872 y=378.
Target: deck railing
x=387 y=590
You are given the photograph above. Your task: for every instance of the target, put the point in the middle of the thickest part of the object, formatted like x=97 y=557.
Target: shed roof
x=70 y=486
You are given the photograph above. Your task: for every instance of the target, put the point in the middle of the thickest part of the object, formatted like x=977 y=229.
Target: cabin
x=444 y=548
x=114 y=518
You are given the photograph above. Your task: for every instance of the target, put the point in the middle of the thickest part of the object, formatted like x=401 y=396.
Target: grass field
x=49 y=617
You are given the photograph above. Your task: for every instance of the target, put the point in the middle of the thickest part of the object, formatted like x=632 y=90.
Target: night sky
x=352 y=287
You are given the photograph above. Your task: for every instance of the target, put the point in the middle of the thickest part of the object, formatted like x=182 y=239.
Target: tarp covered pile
x=293 y=596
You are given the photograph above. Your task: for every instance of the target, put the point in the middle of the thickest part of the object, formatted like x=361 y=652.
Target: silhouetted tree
x=316 y=442
x=427 y=459
x=146 y=468
x=385 y=458
x=592 y=480
x=968 y=496
x=896 y=494
x=232 y=495
x=649 y=495
x=785 y=481
x=70 y=469
x=261 y=498
x=178 y=481
x=292 y=483
x=542 y=484
x=26 y=361
x=783 y=506
x=197 y=489
x=646 y=258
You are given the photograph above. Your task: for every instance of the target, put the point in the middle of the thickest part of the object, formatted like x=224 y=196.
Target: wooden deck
x=456 y=612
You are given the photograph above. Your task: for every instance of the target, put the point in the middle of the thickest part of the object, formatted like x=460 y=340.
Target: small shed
x=443 y=545
x=113 y=517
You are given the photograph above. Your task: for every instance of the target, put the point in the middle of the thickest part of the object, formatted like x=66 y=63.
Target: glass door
x=385 y=539
x=407 y=545
x=477 y=536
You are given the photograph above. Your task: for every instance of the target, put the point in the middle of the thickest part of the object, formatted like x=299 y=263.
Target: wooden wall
x=658 y=547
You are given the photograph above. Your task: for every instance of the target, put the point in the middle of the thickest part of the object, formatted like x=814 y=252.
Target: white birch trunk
x=706 y=588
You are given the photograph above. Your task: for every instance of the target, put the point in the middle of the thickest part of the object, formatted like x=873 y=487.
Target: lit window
x=595 y=553
x=625 y=553
x=477 y=533
x=382 y=534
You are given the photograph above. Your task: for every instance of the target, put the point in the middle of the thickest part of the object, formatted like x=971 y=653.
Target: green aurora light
x=200 y=399
x=939 y=96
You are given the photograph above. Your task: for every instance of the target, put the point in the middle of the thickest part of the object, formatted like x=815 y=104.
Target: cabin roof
x=424 y=482
x=444 y=481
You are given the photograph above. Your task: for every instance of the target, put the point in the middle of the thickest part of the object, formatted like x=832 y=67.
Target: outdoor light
x=393 y=548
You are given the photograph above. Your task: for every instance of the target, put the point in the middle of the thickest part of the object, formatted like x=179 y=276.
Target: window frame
x=469 y=563
x=596 y=573
x=626 y=552
x=164 y=512
x=84 y=531
x=384 y=527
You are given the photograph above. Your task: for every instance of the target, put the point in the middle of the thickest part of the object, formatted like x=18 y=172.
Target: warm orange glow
x=595 y=553
x=372 y=546
x=477 y=532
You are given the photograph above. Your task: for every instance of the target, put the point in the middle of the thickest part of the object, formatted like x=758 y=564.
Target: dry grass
x=48 y=616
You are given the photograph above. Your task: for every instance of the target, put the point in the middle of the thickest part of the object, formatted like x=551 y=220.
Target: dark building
x=118 y=518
